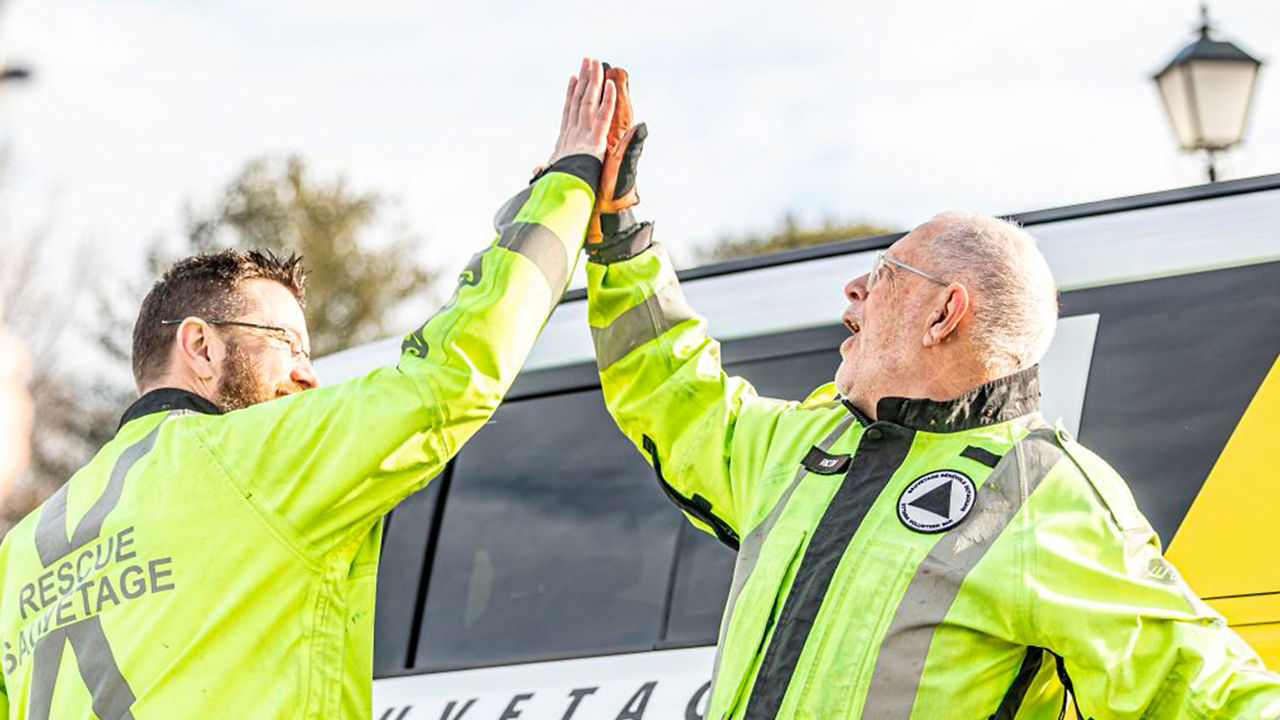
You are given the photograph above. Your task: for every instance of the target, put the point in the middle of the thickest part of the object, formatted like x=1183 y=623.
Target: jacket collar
x=998 y=401
x=165 y=399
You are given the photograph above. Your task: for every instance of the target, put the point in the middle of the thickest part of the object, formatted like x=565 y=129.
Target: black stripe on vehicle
x=881 y=451
x=1021 y=684
x=1141 y=351
x=696 y=506
x=982 y=455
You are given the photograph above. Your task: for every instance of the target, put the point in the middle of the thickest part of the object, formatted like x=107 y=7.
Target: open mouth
x=854 y=326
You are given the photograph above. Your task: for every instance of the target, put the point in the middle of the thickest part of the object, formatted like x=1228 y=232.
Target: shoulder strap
x=1068 y=690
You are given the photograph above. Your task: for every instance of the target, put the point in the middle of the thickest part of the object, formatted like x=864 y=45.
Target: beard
x=875 y=372
x=242 y=384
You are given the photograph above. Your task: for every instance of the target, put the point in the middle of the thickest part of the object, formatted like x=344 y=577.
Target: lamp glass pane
x=1177 y=102
x=1222 y=93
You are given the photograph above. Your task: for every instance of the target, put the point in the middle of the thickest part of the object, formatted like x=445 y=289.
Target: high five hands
x=588 y=112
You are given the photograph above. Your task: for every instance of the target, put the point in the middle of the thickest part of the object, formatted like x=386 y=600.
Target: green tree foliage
x=790 y=235
x=360 y=267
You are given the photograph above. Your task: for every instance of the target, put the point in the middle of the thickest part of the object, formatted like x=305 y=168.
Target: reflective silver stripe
x=110 y=692
x=749 y=550
x=936 y=583
x=112 y=696
x=46 y=659
x=661 y=311
x=543 y=247
x=510 y=209
x=51 y=527
x=90 y=526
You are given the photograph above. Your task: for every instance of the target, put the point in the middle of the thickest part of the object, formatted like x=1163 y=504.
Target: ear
x=198 y=348
x=947 y=315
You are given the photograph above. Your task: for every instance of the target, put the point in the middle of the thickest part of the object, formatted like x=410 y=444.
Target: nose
x=305 y=375
x=856 y=289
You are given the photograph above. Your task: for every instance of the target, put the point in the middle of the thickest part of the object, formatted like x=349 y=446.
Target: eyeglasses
x=284 y=335
x=882 y=257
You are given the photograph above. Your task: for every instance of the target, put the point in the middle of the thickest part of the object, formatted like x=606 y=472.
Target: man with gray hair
x=1001 y=261
x=914 y=540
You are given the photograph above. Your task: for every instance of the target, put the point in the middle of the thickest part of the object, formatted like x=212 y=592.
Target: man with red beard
x=218 y=557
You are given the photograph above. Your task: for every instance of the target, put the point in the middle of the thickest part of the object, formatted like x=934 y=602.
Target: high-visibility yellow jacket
x=956 y=559
x=223 y=566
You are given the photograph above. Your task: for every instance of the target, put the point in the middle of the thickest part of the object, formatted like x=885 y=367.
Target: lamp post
x=1207 y=89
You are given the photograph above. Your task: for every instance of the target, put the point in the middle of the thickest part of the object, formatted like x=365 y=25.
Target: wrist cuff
x=585 y=167
x=624 y=239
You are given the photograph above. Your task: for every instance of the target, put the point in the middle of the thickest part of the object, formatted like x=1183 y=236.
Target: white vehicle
x=545 y=576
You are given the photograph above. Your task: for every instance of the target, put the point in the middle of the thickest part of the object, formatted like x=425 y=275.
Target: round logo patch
x=936 y=502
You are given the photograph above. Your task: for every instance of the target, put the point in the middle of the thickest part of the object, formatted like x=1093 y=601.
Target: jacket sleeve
x=704 y=432
x=326 y=463
x=1135 y=639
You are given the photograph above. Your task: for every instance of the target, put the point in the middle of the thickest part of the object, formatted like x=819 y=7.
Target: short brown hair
x=204 y=286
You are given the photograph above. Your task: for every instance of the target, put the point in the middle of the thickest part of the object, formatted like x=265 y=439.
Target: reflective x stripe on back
x=112 y=696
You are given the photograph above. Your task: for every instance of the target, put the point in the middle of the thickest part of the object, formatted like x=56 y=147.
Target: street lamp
x=10 y=73
x=14 y=72
x=1207 y=89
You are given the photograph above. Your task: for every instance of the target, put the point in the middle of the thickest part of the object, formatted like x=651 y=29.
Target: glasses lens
x=876 y=265
x=295 y=344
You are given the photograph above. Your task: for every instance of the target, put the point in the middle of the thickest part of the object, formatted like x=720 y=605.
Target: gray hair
x=1015 y=299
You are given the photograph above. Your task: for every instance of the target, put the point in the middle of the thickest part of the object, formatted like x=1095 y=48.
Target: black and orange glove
x=612 y=224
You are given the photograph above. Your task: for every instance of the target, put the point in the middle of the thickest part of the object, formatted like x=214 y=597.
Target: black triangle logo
x=936 y=501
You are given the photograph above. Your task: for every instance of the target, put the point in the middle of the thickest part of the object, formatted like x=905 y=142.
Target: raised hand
x=621 y=159
x=588 y=112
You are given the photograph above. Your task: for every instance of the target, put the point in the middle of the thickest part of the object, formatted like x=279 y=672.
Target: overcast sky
x=888 y=112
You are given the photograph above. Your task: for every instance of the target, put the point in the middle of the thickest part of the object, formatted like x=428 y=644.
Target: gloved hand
x=622 y=153
x=612 y=223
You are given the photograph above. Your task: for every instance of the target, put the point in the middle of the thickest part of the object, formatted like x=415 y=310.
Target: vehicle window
x=792 y=377
x=555 y=541
x=704 y=567
x=704 y=570
x=404 y=549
